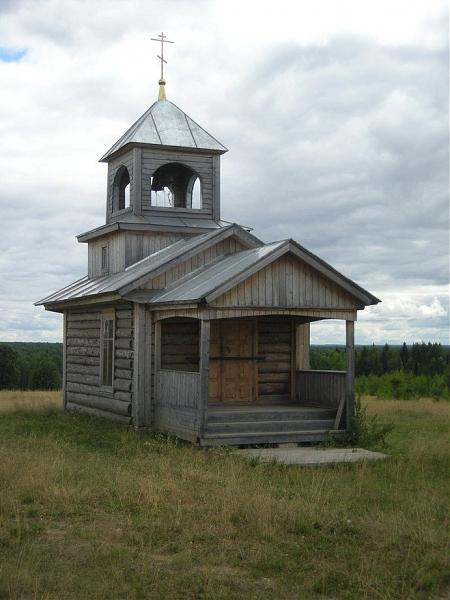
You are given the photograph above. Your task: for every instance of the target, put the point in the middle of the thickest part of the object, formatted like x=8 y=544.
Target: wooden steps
x=267 y=424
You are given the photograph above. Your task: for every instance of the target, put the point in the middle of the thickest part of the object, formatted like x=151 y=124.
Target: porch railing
x=326 y=389
x=178 y=389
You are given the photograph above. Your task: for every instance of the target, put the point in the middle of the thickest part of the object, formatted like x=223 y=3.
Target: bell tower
x=163 y=183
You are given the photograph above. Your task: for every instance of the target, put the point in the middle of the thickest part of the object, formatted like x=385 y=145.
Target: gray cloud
x=341 y=144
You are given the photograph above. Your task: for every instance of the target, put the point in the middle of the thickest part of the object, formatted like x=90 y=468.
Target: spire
x=162 y=39
x=162 y=90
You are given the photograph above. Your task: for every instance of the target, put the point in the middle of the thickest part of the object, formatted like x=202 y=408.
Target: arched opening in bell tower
x=175 y=186
x=121 y=189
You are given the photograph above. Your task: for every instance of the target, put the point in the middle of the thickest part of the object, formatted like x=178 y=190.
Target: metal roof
x=164 y=124
x=208 y=281
x=156 y=262
x=196 y=286
x=154 y=223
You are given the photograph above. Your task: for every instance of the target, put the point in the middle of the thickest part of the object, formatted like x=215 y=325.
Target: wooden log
x=124 y=313
x=120 y=353
x=84 y=324
x=83 y=316
x=95 y=412
x=123 y=373
x=83 y=369
x=122 y=384
x=107 y=404
x=83 y=378
x=124 y=344
x=81 y=342
x=124 y=323
x=124 y=396
x=84 y=360
x=123 y=363
x=124 y=333
x=82 y=388
x=274 y=377
x=274 y=347
x=77 y=351
x=83 y=333
x=64 y=371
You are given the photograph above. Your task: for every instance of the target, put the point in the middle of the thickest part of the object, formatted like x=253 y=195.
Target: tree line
x=407 y=371
x=30 y=366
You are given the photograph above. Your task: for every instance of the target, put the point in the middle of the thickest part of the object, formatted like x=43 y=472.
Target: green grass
x=90 y=509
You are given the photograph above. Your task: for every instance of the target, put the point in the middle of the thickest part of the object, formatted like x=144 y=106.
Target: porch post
x=303 y=346
x=142 y=401
x=350 y=377
x=204 y=375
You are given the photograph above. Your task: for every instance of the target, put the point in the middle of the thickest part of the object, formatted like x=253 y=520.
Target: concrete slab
x=311 y=456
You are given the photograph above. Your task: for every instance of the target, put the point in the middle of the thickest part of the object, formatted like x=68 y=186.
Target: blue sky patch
x=11 y=54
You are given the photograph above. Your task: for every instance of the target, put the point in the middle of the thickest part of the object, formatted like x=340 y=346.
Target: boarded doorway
x=232 y=367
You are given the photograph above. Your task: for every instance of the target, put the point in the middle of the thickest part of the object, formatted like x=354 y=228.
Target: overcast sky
x=335 y=114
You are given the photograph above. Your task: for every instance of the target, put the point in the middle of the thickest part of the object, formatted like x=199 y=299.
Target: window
x=175 y=185
x=105 y=259
x=107 y=349
x=121 y=189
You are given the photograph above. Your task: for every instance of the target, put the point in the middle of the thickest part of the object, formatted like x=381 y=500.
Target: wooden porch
x=245 y=386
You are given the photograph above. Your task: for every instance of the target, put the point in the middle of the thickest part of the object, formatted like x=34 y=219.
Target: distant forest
x=417 y=370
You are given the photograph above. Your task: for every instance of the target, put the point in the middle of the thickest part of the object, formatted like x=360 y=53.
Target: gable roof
x=216 y=278
x=164 y=124
x=150 y=266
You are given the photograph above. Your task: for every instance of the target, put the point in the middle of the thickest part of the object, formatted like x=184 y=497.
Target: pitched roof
x=207 y=282
x=198 y=285
x=214 y=279
x=164 y=124
x=148 y=267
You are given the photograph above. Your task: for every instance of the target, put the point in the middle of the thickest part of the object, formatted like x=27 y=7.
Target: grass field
x=90 y=510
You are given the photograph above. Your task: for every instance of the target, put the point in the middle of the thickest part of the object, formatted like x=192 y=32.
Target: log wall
x=82 y=345
x=180 y=345
x=275 y=355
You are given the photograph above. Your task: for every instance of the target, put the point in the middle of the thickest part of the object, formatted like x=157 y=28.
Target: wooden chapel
x=188 y=324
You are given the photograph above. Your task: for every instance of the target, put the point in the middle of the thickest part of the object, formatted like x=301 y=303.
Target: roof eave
x=128 y=145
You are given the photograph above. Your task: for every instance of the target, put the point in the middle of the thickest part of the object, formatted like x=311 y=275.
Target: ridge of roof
x=165 y=124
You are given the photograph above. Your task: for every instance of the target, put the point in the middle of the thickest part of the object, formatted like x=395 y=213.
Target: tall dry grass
x=90 y=509
x=13 y=400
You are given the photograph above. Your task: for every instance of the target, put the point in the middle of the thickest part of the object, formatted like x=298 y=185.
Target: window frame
x=104 y=267
x=107 y=315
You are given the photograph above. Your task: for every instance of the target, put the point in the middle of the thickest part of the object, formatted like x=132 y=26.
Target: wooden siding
x=287 y=283
x=202 y=164
x=320 y=388
x=138 y=245
x=116 y=254
x=82 y=347
x=177 y=397
x=228 y=246
x=274 y=359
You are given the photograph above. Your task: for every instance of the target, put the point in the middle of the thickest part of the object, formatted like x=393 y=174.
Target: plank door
x=233 y=364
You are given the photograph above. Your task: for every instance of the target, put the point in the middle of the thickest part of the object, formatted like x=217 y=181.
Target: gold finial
x=162 y=39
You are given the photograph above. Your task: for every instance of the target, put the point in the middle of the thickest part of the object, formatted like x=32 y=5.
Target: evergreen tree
x=8 y=368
